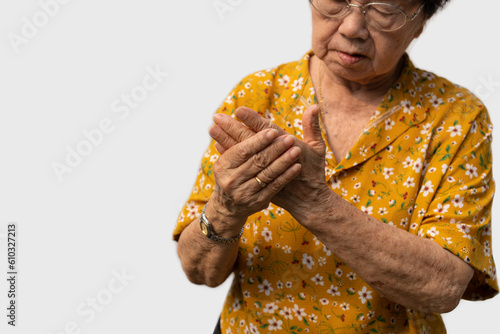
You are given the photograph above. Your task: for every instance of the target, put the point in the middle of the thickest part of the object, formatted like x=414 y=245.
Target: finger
x=234 y=129
x=254 y=121
x=242 y=152
x=272 y=154
x=274 y=187
x=312 y=129
x=280 y=165
x=219 y=148
x=223 y=140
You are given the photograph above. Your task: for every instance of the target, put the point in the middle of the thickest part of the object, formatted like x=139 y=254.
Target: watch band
x=211 y=234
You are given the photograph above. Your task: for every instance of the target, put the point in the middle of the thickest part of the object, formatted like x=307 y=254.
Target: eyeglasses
x=383 y=16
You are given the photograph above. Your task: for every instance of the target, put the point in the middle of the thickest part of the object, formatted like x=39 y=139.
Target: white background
x=117 y=209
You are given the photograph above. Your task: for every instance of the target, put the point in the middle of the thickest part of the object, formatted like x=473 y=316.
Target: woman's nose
x=353 y=24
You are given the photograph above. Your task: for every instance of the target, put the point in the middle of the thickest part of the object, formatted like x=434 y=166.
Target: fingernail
x=242 y=115
x=213 y=130
x=271 y=133
x=217 y=117
x=295 y=152
x=288 y=139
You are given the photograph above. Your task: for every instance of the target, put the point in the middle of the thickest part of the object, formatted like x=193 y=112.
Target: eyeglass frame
x=349 y=5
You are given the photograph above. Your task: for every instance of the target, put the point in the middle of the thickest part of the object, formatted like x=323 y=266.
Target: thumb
x=312 y=129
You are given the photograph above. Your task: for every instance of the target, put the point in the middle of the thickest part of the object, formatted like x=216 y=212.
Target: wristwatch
x=207 y=229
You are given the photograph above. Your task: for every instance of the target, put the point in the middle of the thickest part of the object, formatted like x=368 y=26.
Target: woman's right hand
x=237 y=194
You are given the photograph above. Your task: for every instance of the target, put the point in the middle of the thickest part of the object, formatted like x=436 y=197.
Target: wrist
x=316 y=208
x=224 y=223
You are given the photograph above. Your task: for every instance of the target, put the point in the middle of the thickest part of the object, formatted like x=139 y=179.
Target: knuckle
x=266 y=175
x=259 y=161
x=239 y=153
x=276 y=185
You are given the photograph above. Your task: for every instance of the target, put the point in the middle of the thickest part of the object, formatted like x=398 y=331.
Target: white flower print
x=334 y=290
x=324 y=301
x=470 y=170
x=287 y=249
x=236 y=304
x=425 y=128
x=432 y=232
x=435 y=101
x=428 y=76
x=473 y=128
x=297 y=84
x=313 y=318
x=229 y=98
x=417 y=166
x=458 y=201
x=274 y=324
x=256 y=250
x=455 y=130
x=307 y=260
x=487 y=251
x=427 y=188
x=338 y=272
x=409 y=182
x=253 y=329
x=388 y=172
x=344 y=306
x=241 y=93
x=318 y=279
x=444 y=168
x=367 y=210
x=382 y=211
x=298 y=124
x=442 y=208
x=265 y=287
x=487 y=230
x=407 y=106
x=192 y=210
x=327 y=251
x=250 y=259
x=408 y=162
x=286 y=313
x=464 y=228
x=270 y=308
x=364 y=295
x=299 y=312
x=284 y=80
x=335 y=182
x=389 y=123
x=268 y=235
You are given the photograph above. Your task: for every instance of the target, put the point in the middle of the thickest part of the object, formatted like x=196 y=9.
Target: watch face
x=204 y=228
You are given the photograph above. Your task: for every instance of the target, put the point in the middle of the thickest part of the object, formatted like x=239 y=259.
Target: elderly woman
x=349 y=192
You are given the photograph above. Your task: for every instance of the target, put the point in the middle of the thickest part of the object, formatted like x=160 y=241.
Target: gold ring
x=259 y=181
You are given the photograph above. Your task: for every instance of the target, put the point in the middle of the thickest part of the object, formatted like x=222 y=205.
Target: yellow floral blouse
x=423 y=164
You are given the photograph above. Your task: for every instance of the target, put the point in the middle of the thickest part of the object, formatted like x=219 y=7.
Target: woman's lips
x=348 y=59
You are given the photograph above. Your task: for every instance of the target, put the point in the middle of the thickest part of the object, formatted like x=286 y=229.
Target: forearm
x=407 y=269
x=203 y=260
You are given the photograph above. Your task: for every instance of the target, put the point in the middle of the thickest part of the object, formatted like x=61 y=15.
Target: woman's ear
x=421 y=29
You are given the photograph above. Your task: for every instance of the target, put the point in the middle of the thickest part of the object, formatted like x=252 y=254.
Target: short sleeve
x=459 y=216
x=204 y=183
x=253 y=91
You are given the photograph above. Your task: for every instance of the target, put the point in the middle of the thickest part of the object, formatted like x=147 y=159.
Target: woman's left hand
x=300 y=195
